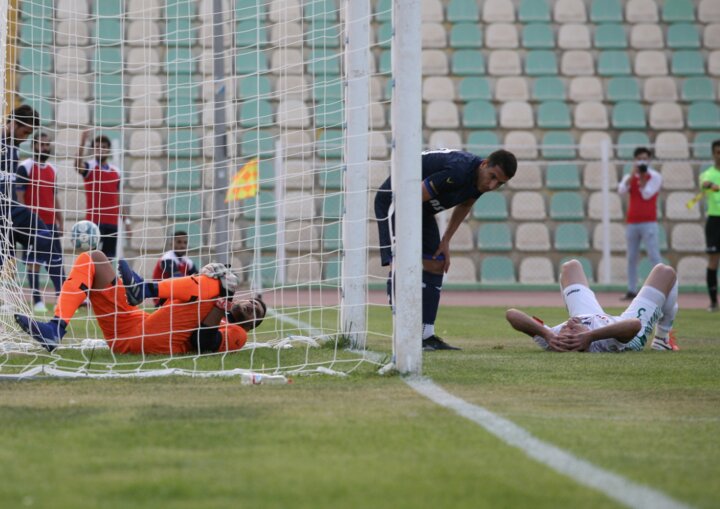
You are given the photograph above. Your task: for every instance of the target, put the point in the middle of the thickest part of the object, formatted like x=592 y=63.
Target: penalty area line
x=612 y=485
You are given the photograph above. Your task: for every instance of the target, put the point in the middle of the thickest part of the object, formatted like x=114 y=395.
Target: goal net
x=229 y=125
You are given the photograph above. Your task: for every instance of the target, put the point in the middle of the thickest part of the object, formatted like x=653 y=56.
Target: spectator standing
x=642 y=186
x=710 y=182
x=103 y=191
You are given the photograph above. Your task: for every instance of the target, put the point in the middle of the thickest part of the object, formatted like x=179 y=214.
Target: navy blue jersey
x=449 y=177
x=8 y=167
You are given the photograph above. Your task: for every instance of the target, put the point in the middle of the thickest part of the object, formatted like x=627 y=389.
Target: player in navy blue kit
x=451 y=178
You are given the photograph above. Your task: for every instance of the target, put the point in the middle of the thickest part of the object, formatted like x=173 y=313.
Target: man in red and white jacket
x=103 y=191
x=642 y=185
x=36 y=189
x=174 y=263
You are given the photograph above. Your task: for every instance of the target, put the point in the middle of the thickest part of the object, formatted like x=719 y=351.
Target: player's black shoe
x=136 y=289
x=435 y=343
x=629 y=296
x=48 y=334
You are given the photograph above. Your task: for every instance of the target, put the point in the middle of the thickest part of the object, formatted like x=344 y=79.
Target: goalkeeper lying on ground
x=590 y=329
x=198 y=315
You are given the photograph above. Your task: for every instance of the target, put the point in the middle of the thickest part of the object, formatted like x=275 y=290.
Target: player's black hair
x=26 y=115
x=715 y=144
x=642 y=150
x=41 y=134
x=258 y=321
x=180 y=233
x=505 y=160
x=101 y=138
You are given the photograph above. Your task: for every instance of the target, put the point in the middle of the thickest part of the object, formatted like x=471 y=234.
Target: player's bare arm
x=79 y=160
x=524 y=323
x=576 y=340
x=459 y=213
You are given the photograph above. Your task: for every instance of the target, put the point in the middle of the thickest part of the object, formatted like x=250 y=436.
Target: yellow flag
x=245 y=182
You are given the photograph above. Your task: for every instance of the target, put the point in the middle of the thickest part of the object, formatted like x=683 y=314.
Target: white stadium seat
x=145 y=143
x=577 y=63
x=591 y=143
x=432 y=10
x=443 y=139
x=660 y=89
x=437 y=88
x=435 y=63
x=511 y=88
x=592 y=176
x=433 y=35
x=292 y=113
x=692 y=270
x=147 y=112
x=462 y=270
x=591 y=115
x=442 y=115
x=670 y=145
x=529 y=206
x=618 y=270
x=574 y=36
x=72 y=86
x=532 y=237
x=536 y=270
x=498 y=11
x=595 y=206
x=651 y=63
x=516 y=115
x=646 y=36
x=501 y=36
x=463 y=239
x=688 y=238
x=523 y=144
x=675 y=208
x=666 y=115
x=618 y=242
x=678 y=175
x=527 y=177
x=287 y=34
x=301 y=236
x=641 y=11
x=143 y=85
x=569 y=11
x=711 y=36
x=586 y=88
x=71 y=60
x=72 y=32
x=142 y=32
x=504 y=63
x=302 y=269
x=709 y=11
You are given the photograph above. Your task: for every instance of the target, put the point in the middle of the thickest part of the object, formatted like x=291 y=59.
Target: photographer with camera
x=642 y=185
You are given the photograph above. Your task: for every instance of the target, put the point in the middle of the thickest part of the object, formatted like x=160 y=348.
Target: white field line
x=583 y=472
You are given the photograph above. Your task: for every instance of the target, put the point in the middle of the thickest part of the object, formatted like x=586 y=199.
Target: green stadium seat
x=494 y=237
x=185 y=206
x=479 y=115
x=38 y=59
x=553 y=115
x=108 y=60
x=180 y=8
x=109 y=31
x=606 y=11
x=531 y=11
x=628 y=141
x=497 y=270
x=329 y=114
x=703 y=115
x=255 y=113
x=491 y=207
x=266 y=237
x=36 y=32
x=182 y=112
x=36 y=9
x=250 y=33
x=586 y=265
x=610 y=36
x=183 y=85
x=662 y=238
x=698 y=88
x=678 y=10
x=332 y=207
x=687 y=63
x=180 y=60
x=683 y=36
x=323 y=10
x=332 y=237
x=267 y=271
x=328 y=90
x=483 y=141
x=645 y=266
x=108 y=8
x=628 y=115
x=383 y=10
x=250 y=9
x=383 y=35
x=466 y=35
x=184 y=143
x=567 y=206
x=538 y=36
x=265 y=207
x=558 y=145
x=266 y=170
x=572 y=237
x=254 y=86
x=384 y=62
x=180 y=33
x=109 y=114
x=108 y=87
x=35 y=85
x=473 y=87
x=548 y=88
x=323 y=34
x=257 y=143
x=330 y=143
x=331 y=270
x=462 y=10
x=702 y=144
x=466 y=62
x=541 y=63
x=562 y=177
x=614 y=63
x=323 y=62
x=184 y=174
x=44 y=108
x=249 y=62
x=623 y=89
x=331 y=178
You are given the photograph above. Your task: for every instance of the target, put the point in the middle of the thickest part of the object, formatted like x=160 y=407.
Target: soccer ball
x=85 y=235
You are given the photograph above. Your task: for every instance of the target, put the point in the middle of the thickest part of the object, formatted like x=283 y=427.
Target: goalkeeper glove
x=228 y=279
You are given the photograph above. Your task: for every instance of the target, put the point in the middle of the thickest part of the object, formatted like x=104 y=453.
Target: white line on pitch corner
x=612 y=485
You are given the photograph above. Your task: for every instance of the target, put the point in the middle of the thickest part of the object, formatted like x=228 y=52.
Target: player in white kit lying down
x=591 y=329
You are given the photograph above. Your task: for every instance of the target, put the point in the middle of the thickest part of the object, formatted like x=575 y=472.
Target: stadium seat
x=623 y=89
x=441 y=115
x=498 y=11
x=702 y=144
x=613 y=63
x=553 y=115
x=688 y=238
x=320 y=10
x=676 y=210
x=577 y=63
x=671 y=145
x=660 y=89
x=708 y=11
x=569 y=11
x=651 y=63
x=323 y=62
x=641 y=11
x=610 y=36
x=586 y=88
x=491 y=207
x=523 y=144
x=108 y=31
x=628 y=115
x=590 y=115
x=384 y=35
x=678 y=10
x=548 y=88
x=435 y=62
x=322 y=90
x=483 y=141
x=184 y=206
x=593 y=176
x=145 y=85
x=666 y=115
x=250 y=62
x=182 y=112
x=72 y=32
x=332 y=206
x=330 y=143
x=567 y=206
x=265 y=208
x=35 y=60
x=714 y=63
x=255 y=113
x=332 y=237
x=591 y=144
x=36 y=32
x=558 y=145
x=541 y=63
x=108 y=87
x=32 y=85
x=683 y=36
x=433 y=36
x=36 y=9
x=479 y=115
x=711 y=36
x=438 y=139
x=677 y=175
x=437 y=88
x=145 y=112
x=516 y=115
x=532 y=237
x=494 y=237
x=528 y=175
x=143 y=31
x=462 y=270
x=528 y=206
x=646 y=36
x=691 y=270
x=265 y=236
x=257 y=142
x=572 y=237
x=698 y=88
x=595 y=206
x=463 y=239
x=462 y=10
x=618 y=241
x=468 y=63
x=504 y=63
x=561 y=177
x=531 y=11
x=73 y=112
x=497 y=270
x=72 y=9
x=628 y=141
x=145 y=143
x=472 y=88
x=606 y=11
x=538 y=36
x=501 y=36
x=303 y=270
x=183 y=143
x=466 y=36
x=703 y=115
x=536 y=270
x=301 y=205
x=184 y=174
x=108 y=115
x=250 y=33
x=687 y=63
x=574 y=36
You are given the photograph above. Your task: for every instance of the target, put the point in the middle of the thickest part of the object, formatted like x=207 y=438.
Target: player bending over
x=590 y=329
x=198 y=315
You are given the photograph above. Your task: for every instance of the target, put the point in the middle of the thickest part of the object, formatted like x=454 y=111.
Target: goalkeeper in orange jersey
x=198 y=315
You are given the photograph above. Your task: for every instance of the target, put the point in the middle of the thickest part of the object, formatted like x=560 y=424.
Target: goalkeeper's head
x=248 y=313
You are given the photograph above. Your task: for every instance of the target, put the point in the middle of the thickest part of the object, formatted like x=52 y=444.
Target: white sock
x=428 y=330
x=669 y=310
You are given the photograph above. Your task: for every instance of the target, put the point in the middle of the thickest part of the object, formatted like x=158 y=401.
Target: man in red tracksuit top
x=103 y=192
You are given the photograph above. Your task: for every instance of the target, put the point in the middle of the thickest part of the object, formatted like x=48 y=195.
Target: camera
x=642 y=168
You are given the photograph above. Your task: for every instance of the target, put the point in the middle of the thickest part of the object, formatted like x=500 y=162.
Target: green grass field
x=371 y=441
